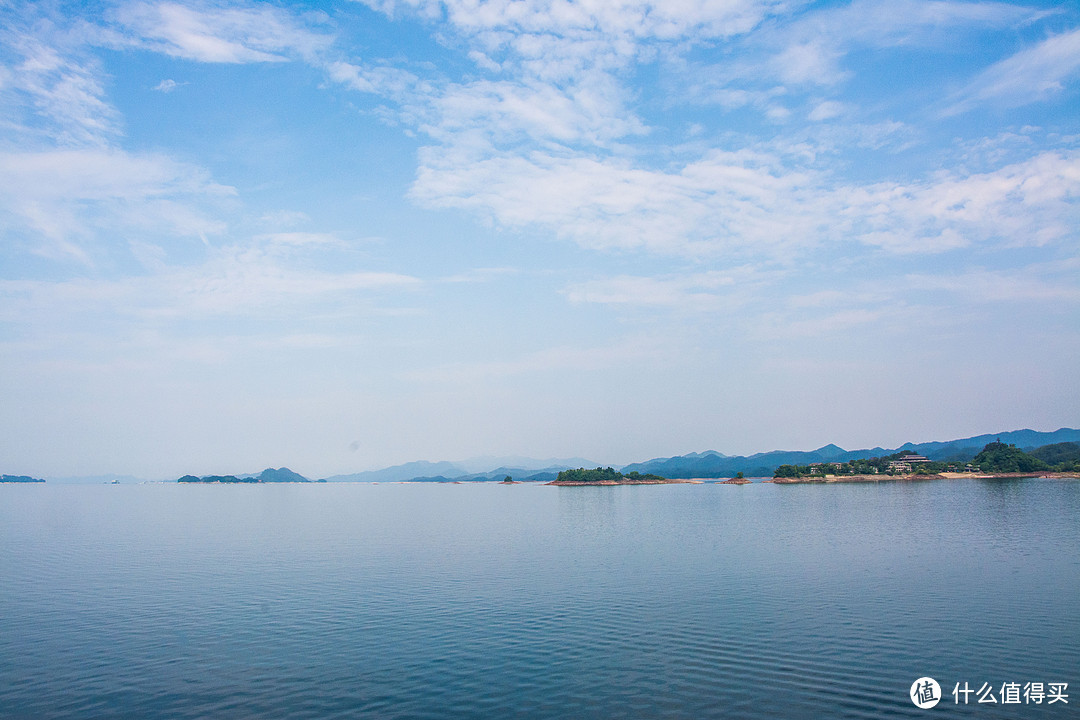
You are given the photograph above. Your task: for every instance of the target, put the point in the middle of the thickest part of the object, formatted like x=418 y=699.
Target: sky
x=342 y=235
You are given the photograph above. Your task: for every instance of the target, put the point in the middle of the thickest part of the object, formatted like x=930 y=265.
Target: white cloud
x=71 y=199
x=826 y=110
x=673 y=19
x=254 y=281
x=58 y=87
x=590 y=112
x=381 y=80
x=559 y=57
x=250 y=281
x=167 y=86
x=910 y=22
x=205 y=33
x=1028 y=76
x=724 y=202
x=808 y=50
x=809 y=62
x=748 y=203
x=546 y=144
x=1023 y=204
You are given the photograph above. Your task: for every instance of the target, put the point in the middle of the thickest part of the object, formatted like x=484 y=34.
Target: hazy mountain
x=107 y=479
x=698 y=465
x=705 y=465
x=496 y=475
x=968 y=447
x=522 y=474
x=270 y=475
x=408 y=471
x=479 y=468
x=483 y=465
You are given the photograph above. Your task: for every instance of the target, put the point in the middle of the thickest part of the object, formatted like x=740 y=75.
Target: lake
x=524 y=601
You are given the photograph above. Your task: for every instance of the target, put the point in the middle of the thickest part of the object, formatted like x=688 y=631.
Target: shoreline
x=609 y=483
x=912 y=477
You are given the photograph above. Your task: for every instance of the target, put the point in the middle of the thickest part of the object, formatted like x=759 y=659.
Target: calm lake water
x=490 y=601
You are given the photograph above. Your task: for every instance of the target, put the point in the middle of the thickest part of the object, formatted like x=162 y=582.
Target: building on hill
x=907 y=462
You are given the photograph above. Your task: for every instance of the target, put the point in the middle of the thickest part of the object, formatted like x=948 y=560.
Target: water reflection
x=588 y=510
x=395 y=601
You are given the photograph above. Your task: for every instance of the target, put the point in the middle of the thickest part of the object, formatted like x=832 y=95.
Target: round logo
x=925 y=693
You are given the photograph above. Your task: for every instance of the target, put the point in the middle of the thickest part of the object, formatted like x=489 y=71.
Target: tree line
x=994 y=457
x=599 y=475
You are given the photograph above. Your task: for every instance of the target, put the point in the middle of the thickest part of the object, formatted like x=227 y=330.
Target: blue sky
x=338 y=236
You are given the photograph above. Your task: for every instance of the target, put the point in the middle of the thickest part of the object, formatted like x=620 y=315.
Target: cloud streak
x=211 y=34
x=754 y=203
x=1029 y=76
x=72 y=203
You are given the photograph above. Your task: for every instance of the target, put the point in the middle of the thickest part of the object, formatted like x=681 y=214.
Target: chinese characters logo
x=925 y=693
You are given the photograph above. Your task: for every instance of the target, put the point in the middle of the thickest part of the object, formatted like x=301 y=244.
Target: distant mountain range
x=715 y=465
x=524 y=469
x=708 y=464
x=269 y=475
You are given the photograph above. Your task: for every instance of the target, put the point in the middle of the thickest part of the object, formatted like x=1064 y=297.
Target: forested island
x=996 y=458
x=19 y=479
x=269 y=475
x=609 y=476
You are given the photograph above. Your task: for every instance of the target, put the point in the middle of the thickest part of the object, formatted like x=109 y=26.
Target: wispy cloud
x=1041 y=284
x=54 y=92
x=1029 y=76
x=809 y=50
x=592 y=112
x=75 y=200
x=167 y=86
x=724 y=202
x=393 y=82
x=251 y=281
x=754 y=204
x=208 y=33
x=550 y=142
x=633 y=18
x=1028 y=203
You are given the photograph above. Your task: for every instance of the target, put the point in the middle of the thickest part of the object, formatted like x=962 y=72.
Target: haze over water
x=437 y=601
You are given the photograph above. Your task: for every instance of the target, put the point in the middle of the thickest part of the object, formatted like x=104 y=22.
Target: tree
x=999 y=457
x=1061 y=456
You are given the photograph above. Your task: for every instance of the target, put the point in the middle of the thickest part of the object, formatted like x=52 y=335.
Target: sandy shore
x=940 y=476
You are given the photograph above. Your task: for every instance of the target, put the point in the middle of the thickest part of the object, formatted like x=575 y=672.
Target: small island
x=737 y=480
x=611 y=476
x=19 y=479
x=269 y=475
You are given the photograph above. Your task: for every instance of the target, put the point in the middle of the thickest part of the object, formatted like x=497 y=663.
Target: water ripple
x=529 y=602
